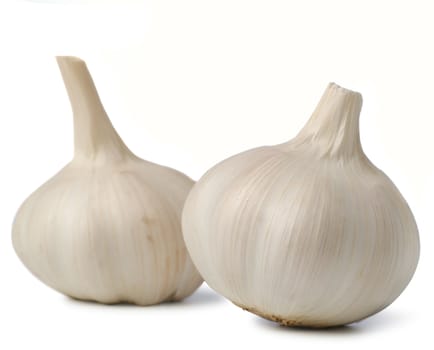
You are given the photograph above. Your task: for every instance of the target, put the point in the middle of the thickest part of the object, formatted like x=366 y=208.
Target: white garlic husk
x=107 y=227
x=306 y=233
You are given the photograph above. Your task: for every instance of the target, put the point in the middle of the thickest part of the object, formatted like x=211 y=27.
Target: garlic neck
x=333 y=128
x=94 y=136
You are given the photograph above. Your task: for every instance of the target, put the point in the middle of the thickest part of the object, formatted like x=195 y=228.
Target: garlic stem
x=334 y=125
x=94 y=135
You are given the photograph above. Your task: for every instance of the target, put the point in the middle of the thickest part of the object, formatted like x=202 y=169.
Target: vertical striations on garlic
x=306 y=233
x=107 y=227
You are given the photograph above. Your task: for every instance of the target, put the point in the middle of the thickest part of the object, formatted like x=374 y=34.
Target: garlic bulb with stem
x=306 y=233
x=107 y=227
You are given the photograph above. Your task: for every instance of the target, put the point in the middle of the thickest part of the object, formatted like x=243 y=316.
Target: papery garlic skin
x=307 y=233
x=107 y=227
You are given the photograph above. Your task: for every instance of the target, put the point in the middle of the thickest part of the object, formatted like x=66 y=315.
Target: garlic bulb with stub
x=306 y=233
x=107 y=227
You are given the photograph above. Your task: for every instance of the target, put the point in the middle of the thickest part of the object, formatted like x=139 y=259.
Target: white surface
x=191 y=84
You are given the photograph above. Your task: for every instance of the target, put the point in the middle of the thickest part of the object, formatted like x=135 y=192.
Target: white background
x=187 y=84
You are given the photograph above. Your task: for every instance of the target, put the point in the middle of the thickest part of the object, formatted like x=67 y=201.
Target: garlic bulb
x=107 y=227
x=305 y=233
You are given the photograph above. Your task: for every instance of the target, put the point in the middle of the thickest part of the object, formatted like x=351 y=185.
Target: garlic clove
x=306 y=233
x=107 y=227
